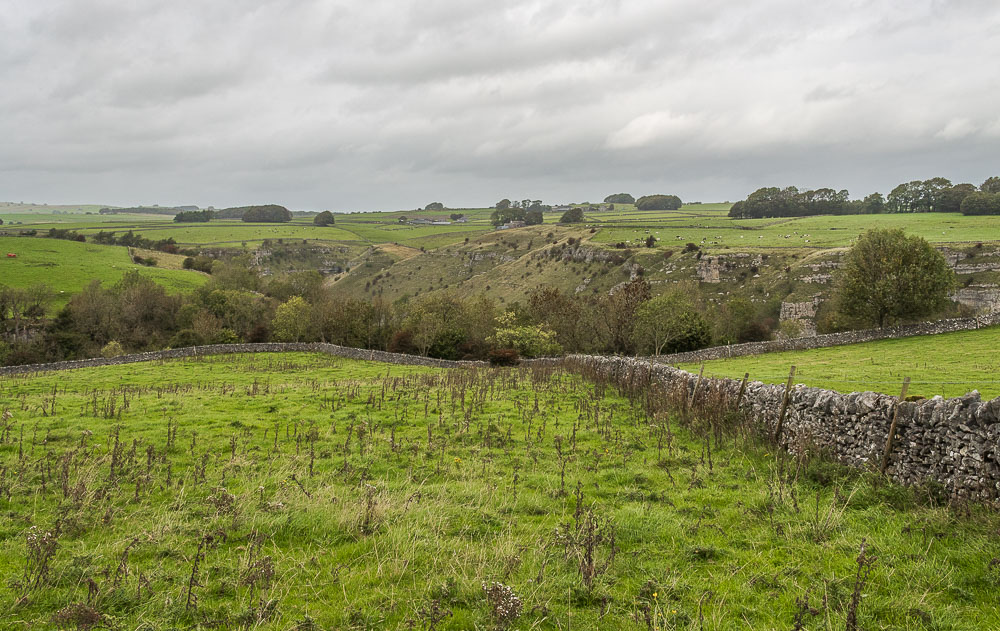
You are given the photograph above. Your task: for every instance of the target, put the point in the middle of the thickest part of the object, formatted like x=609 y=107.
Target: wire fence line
x=866 y=381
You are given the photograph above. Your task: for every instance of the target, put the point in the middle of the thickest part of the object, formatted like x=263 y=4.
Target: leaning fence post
x=743 y=388
x=697 y=385
x=689 y=400
x=892 y=426
x=784 y=405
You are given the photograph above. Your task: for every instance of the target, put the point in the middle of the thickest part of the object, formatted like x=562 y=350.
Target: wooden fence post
x=689 y=401
x=892 y=427
x=784 y=405
x=743 y=388
x=697 y=385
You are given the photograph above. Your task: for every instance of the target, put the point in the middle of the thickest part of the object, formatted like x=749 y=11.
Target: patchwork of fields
x=298 y=491
x=704 y=224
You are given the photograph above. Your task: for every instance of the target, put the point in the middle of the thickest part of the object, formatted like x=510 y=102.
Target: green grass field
x=234 y=233
x=67 y=266
x=706 y=225
x=719 y=232
x=21 y=208
x=295 y=491
x=949 y=364
x=70 y=221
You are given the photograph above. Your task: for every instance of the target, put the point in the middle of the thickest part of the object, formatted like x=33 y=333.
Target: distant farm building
x=512 y=224
x=429 y=221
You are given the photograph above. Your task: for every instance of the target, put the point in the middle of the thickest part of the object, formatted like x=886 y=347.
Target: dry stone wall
x=954 y=442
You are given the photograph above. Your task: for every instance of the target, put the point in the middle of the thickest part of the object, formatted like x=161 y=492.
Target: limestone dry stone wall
x=953 y=442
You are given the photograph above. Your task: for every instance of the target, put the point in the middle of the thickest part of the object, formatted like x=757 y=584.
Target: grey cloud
x=380 y=104
x=828 y=93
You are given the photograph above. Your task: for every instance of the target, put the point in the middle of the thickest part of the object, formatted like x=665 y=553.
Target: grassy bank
x=949 y=364
x=67 y=266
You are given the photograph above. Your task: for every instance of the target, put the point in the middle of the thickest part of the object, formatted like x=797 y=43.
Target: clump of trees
x=238 y=305
x=200 y=263
x=194 y=216
x=506 y=211
x=506 y=214
x=129 y=239
x=270 y=213
x=65 y=234
x=658 y=202
x=790 y=202
x=324 y=218
x=573 y=215
x=267 y=213
x=934 y=195
x=619 y=198
x=981 y=203
x=434 y=206
x=132 y=240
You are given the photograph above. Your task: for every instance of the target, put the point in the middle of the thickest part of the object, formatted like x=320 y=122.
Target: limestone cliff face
x=985 y=298
x=802 y=313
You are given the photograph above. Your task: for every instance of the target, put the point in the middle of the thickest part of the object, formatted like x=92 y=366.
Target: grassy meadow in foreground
x=947 y=364
x=298 y=491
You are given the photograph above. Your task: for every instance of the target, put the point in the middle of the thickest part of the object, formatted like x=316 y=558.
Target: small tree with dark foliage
x=573 y=215
x=325 y=218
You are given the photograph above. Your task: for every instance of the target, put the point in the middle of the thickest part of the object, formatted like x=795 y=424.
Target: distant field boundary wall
x=830 y=339
x=953 y=442
x=221 y=349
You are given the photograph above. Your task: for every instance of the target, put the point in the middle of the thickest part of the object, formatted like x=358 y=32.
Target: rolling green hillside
x=68 y=266
x=769 y=261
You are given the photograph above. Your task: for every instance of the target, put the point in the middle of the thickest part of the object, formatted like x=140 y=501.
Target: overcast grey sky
x=386 y=104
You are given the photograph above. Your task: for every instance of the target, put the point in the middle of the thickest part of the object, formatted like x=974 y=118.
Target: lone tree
x=888 y=276
x=324 y=218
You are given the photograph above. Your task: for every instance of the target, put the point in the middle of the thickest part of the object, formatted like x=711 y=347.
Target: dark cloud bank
x=385 y=104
